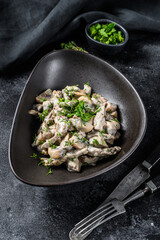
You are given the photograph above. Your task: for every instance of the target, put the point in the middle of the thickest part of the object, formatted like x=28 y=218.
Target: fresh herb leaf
x=43 y=114
x=87 y=84
x=72 y=45
x=72 y=159
x=35 y=138
x=52 y=145
x=95 y=142
x=116 y=120
x=34 y=155
x=49 y=172
x=45 y=129
x=41 y=163
x=43 y=99
x=67 y=143
x=59 y=134
x=106 y=33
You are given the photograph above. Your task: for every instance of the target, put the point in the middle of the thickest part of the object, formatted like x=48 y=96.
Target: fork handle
x=153 y=159
x=154 y=184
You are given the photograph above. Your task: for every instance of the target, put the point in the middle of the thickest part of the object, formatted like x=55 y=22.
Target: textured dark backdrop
x=33 y=213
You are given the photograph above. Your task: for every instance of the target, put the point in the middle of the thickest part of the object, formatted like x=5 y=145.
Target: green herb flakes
x=95 y=142
x=34 y=155
x=106 y=33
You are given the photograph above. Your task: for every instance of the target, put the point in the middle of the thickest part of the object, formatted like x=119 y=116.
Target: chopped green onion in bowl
x=106 y=33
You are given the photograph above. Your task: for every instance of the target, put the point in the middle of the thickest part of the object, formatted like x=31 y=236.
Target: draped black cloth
x=27 y=26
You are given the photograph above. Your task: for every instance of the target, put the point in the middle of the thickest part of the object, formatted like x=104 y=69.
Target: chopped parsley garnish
x=50 y=171
x=41 y=163
x=67 y=143
x=106 y=33
x=45 y=129
x=43 y=114
x=35 y=138
x=87 y=84
x=59 y=134
x=41 y=142
x=72 y=159
x=43 y=99
x=95 y=142
x=52 y=145
x=34 y=155
x=50 y=106
x=116 y=120
x=72 y=45
x=102 y=131
x=80 y=109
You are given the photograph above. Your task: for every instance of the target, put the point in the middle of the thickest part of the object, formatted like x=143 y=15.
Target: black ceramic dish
x=55 y=71
x=102 y=47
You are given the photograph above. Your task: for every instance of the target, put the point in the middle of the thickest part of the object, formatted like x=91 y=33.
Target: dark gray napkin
x=26 y=26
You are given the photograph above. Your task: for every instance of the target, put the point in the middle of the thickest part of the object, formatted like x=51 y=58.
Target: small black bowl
x=102 y=47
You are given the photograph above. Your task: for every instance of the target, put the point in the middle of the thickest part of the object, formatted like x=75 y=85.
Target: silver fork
x=108 y=211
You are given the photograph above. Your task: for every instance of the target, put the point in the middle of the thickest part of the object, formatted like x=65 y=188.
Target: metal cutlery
x=128 y=184
x=110 y=210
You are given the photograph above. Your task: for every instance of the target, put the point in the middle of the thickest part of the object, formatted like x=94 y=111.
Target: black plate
x=55 y=71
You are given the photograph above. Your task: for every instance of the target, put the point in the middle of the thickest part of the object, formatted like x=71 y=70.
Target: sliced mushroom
x=87 y=89
x=111 y=107
x=38 y=139
x=51 y=141
x=112 y=127
x=109 y=138
x=56 y=95
x=65 y=143
x=98 y=141
x=99 y=120
x=34 y=112
x=61 y=125
x=38 y=107
x=80 y=125
x=79 y=94
x=98 y=99
x=69 y=91
x=89 y=160
x=56 y=152
x=46 y=95
x=74 y=165
x=85 y=99
x=46 y=105
x=78 y=140
x=51 y=162
x=114 y=114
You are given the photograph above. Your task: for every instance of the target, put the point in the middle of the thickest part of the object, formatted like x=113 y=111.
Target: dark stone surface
x=32 y=213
